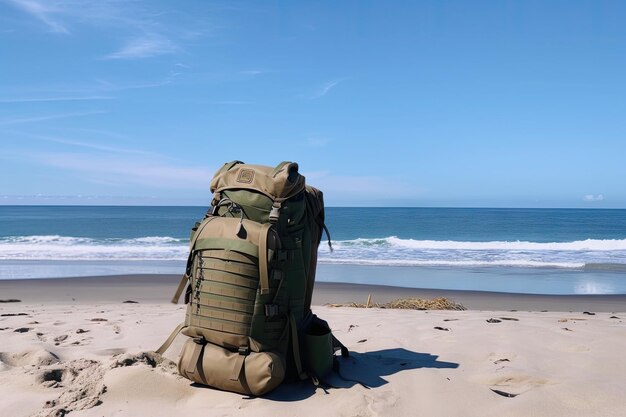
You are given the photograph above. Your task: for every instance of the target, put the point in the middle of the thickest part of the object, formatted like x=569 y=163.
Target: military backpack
x=249 y=281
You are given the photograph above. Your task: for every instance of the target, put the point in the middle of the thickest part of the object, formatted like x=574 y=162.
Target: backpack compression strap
x=263 y=272
x=296 y=347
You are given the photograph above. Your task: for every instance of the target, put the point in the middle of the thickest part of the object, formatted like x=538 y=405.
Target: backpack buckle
x=217 y=197
x=244 y=350
x=275 y=213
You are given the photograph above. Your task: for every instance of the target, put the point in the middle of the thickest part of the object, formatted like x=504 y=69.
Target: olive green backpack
x=249 y=281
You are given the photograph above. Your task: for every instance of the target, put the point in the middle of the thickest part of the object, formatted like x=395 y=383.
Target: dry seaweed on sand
x=439 y=303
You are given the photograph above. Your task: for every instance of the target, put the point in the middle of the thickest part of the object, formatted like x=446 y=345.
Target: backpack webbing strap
x=263 y=273
x=170 y=339
x=227 y=167
x=181 y=287
x=337 y=344
x=236 y=372
x=296 y=347
x=185 y=278
x=192 y=366
x=278 y=168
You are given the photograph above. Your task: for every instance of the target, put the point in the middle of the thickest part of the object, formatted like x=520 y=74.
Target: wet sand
x=160 y=288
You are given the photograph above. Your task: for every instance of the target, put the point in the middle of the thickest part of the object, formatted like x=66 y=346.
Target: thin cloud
x=145 y=47
x=593 y=198
x=325 y=89
x=52 y=99
x=108 y=86
x=87 y=145
x=151 y=23
x=15 y=121
x=151 y=172
x=99 y=132
x=42 y=12
x=97 y=89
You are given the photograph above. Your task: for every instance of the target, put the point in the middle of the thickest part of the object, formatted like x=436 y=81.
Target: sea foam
x=579 y=245
x=390 y=251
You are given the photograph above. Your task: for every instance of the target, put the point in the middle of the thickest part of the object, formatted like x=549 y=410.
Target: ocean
x=551 y=251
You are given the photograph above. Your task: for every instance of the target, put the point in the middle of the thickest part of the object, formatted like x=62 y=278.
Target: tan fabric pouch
x=254 y=373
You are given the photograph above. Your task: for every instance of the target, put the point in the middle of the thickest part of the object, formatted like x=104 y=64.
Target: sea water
x=551 y=251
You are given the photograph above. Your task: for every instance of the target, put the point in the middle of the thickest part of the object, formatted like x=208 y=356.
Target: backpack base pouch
x=252 y=373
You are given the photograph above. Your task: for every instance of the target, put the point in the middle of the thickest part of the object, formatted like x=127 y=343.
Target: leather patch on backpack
x=246 y=176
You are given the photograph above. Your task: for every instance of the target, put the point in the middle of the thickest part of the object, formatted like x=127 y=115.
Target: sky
x=417 y=103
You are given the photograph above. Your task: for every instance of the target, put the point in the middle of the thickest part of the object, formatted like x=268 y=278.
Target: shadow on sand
x=367 y=368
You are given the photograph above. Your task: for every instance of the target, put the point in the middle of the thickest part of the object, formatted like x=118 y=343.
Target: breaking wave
x=54 y=247
x=409 y=252
x=596 y=254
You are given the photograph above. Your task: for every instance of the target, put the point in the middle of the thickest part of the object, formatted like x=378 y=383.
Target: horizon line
x=326 y=206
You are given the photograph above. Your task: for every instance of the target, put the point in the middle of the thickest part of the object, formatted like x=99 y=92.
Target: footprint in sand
x=513 y=384
x=518 y=380
x=80 y=383
x=38 y=357
x=51 y=378
x=151 y=359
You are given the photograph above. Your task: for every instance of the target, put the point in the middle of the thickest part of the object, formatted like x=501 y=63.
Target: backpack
x=249 y=282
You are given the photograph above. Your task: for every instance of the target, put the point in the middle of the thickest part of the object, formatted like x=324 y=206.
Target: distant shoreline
x=159 y=288
x=206 y=206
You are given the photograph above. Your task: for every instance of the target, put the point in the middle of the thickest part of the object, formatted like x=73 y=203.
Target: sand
x=76 y=347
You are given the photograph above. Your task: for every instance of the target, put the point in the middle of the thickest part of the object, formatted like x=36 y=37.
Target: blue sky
x=430 y=103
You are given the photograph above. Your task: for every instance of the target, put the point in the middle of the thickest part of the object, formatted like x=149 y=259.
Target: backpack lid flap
x=279 y=183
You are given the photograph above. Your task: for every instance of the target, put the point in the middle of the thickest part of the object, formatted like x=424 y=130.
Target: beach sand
x=75 y=346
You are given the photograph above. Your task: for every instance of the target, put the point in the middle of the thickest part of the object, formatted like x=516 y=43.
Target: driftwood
x=439 y=303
